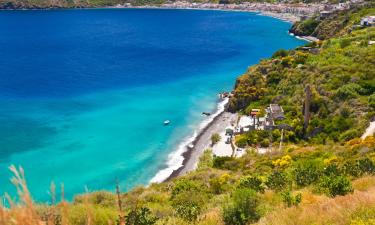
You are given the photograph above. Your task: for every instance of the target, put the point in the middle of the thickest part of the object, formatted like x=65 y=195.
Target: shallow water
x=84 y=93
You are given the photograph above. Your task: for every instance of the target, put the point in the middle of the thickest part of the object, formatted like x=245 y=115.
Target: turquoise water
x=84 y=93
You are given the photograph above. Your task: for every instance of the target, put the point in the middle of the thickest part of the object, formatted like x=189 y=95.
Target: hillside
x=41 y=4
x=322 y=174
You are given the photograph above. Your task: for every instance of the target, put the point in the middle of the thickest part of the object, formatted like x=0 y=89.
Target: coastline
x=185 y=159
x=286 y=12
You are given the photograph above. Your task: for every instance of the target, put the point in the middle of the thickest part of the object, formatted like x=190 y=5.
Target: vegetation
x=215 y=138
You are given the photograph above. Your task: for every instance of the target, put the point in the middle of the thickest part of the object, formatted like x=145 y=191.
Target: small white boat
x=167 y=122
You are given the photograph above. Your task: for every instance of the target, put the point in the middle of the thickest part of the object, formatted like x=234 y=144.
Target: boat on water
x=167 y=122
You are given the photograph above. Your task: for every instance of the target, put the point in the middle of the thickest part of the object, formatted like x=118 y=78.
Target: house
x=368 y=21
x=275 y=112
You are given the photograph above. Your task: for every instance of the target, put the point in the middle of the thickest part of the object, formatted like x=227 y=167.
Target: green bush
x=215 y=138
x=357 y=168
x=290 y=200
x=265 y=143
x=252 y=182
x=242 y=208
x=277 y=181
x=307 y=172
x=141 y=216
x=188 y=204
x=184 y=185
x=225 y=162
x=335 y=185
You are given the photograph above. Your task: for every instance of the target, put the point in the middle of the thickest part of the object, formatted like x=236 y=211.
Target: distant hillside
x=336 y=23
x=35 y=4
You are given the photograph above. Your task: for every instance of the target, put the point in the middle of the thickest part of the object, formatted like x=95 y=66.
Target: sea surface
x=84 y=93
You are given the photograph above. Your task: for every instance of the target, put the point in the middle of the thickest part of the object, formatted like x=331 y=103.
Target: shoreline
x=183 y=157
x=286 y=12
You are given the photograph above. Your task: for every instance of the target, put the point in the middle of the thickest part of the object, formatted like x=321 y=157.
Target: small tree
x=215 y=138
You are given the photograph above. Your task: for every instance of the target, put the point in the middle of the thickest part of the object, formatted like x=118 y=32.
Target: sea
x=84 y=92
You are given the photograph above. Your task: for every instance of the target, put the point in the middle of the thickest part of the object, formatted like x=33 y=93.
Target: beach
x=203 y=142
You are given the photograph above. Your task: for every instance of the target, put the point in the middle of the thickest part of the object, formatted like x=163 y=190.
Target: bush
x=277 y=181
x=188 y=205
x=252 y=182
x=225 y=162
x=219 y=184
x=359 y=167
x=291 y=200
x=242 y=209
x=241 y=141
x=215 y=138
x=307 y=172
x=335 y=185
x=184 y=185
x=141 y=216
x=280 y=53
x=265 y=143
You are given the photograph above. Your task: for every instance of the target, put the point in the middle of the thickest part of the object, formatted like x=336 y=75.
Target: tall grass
x=339 y=211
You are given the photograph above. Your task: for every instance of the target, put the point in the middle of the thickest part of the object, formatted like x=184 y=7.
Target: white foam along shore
x=176 y=158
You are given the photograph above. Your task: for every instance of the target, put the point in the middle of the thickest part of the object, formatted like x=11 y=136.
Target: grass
x=339 y=211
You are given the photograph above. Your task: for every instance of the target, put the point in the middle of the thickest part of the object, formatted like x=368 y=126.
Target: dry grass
x=338 y=211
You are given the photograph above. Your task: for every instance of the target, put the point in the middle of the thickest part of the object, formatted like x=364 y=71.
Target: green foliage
x=291 y=200
x=215 y=138
x=277 y=181
x=280 y=53
x=307 y=172
x=187 y=205
x=225 y=162
x=252 y=182
x=206 y=160
x=357 y=168
x=335 y=185
x=140 y=216
x=348 y=91
x=242 y=208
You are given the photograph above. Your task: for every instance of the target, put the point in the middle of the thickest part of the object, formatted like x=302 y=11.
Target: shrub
x=219 y=184
x=277 y=181
x=188 y=205
x=307 y=172
x=290 y=200
x=215 y=138
x=242 y=209
x=225 y=162
x=348 y=91
x=241 y=141
x=335 y=185
x=359 y=167
x=265 y=143
x=141 y=216
x=183 y=185
x=252 y=182
x=280 y=53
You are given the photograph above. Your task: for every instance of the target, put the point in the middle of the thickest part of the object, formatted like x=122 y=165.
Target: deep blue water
x=84 y=93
